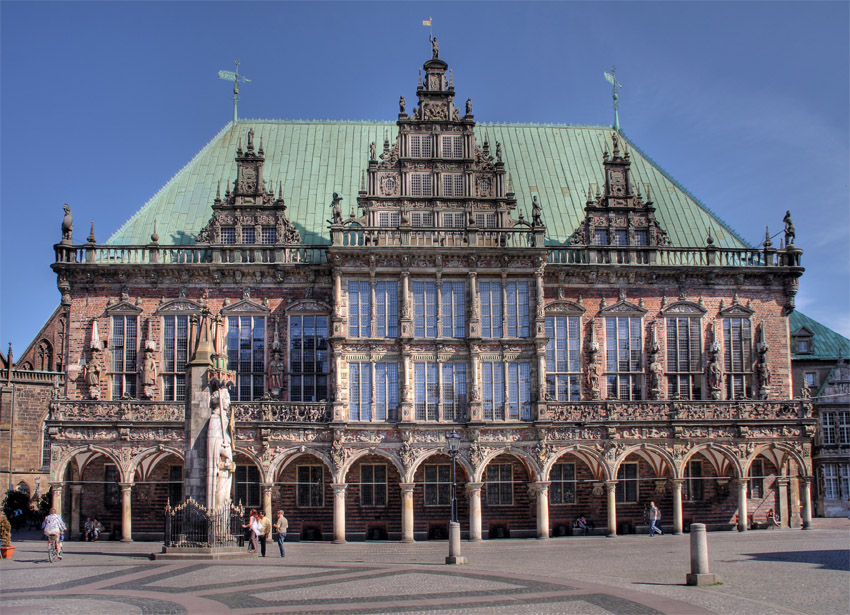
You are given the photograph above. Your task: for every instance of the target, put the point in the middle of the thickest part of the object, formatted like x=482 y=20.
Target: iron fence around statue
x=191 y=525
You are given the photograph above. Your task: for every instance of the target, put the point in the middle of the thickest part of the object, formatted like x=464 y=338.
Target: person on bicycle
x=53 y=527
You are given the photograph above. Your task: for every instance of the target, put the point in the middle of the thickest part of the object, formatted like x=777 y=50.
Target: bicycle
x=53 y=548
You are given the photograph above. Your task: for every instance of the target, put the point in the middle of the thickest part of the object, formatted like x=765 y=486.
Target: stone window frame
x=376 y=487
x=421 y=145
x=500 y=482
x=625 y=484
x=567 y=310
x=453 y=184
x=437 y=491
x=455 y=146
x=694 y=313
x=301 y=309
x=315 y=491
x=254 y=311
x=635 y=376
x=176 y=308
x=693 y=489
x=124 y=310
x=421 y=184
x=559 y=485
x=515 y=391
x=436 y=380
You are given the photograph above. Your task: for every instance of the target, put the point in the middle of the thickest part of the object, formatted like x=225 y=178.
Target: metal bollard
x=454 y=545
x=699 y=574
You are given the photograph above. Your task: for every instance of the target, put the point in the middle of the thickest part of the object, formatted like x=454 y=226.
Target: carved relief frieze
x=85 y=433
x=576 y=433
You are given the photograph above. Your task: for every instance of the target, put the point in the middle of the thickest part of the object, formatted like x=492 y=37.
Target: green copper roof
x=314 y=159
x=828 y=345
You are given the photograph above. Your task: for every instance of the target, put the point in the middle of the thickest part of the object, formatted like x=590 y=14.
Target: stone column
x=784 y=517
x=806 y=490
x=126 y=512
x=611 y=492
x=57 y=497
x=541 y=488
x=196 y=473
x=267 y=500
x=473 y=492
x=339 y=513
x=742 y=503
x=677 y=506
x=74 y=525
x=407 y=511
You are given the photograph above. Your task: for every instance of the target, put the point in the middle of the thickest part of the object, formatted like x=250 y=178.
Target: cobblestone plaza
x=781 y=571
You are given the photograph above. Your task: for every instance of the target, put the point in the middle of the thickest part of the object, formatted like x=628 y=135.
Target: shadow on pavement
x=837 y=559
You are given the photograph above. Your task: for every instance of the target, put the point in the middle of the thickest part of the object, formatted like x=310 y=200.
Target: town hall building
x=596 y=336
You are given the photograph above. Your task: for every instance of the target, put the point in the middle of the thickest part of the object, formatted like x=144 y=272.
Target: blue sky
x=744 y=103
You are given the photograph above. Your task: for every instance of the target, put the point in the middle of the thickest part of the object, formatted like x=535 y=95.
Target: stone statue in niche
x=656 y=372
x=714 y=372
x=790 y=234
x=762 y=368
x=276 y=374
x=92 y=373
x=149 y=372
x=220 y=443
x=592 y=375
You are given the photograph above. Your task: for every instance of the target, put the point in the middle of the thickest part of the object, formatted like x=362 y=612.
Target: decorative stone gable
x=619 y=215
x=249 y=214
x=435 y=175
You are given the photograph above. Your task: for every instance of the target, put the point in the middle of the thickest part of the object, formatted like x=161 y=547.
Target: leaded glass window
x=360 y=391
x=424 y=309
x=439 y=391
x=452 y=146
x=246 y=349
x=359 y=309
x=310 y=486
x=490 y=294
x=308 y=358
x=684 y=358
x=627 y=483
x=124 y=356
x=453 y=295
x=562 y=488
x=421 y=184
x=624 y=364
x=517 y=312
x=563 y=358
x=438 y=485
x=737 y=352
x=373 y=485
x=420 y=146
x=175 y=346
x=386 y=309
x=500 y=485
x=452 y=184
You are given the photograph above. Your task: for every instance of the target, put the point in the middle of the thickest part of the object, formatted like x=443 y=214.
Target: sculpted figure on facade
x=592 y=374
x=336 y=209
x=762 y=368
x=536 y=212
x=401 y=105
x=275 y=374
x=67 y=225
x=149 y=372
x=435 y=48
x=220 y=443
x=714 y=372
x=656 y=372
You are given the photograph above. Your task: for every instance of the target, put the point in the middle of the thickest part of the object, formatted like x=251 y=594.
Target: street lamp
x=453 y=444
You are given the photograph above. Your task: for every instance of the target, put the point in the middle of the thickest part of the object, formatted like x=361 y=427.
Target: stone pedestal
x=195 y=470
x=454 y=545
x=699 y=574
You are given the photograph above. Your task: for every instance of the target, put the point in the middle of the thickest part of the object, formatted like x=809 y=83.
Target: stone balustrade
x=199 y=254
x=119 y=410
x=606 y=411
x=281 y=412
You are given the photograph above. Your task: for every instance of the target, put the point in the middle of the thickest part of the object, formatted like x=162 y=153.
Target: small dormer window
x=621 y=238
x=804 y=345
x=388 y=219
x=452 y=184
x=249 y=235
x=228 y=235
x=600 y=238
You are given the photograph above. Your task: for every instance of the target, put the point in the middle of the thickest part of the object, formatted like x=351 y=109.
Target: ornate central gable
x=436 y=175
x=619 y=215
x=249 y=214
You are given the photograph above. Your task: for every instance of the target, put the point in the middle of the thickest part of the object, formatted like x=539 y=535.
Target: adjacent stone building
x=596 y=336
x=821 y=372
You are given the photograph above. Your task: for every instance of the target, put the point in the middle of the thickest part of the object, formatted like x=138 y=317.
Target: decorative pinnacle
x=218 y=191
x=709 y=240
x=154 y=236
x=91 y=238
x=261 y=146
x=767 y=242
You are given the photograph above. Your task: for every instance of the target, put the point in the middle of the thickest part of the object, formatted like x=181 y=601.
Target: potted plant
x=6 y=548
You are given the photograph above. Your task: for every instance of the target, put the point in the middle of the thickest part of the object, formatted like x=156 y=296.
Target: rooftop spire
x=235 y=78
x=612 y=79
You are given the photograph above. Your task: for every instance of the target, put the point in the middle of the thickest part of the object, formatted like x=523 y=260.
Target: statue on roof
x=435 y=48
x=336 y=209
x=67 y=225
x=536 y=212
x=401 y=104
x=469 y=106
x=790 y=234
x=373 y=151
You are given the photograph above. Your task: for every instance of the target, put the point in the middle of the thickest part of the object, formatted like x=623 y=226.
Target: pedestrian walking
x=654 y=516
x=280 y=526
x=265 y=536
